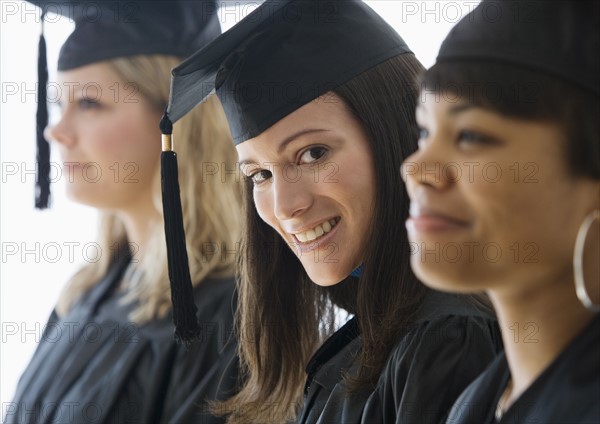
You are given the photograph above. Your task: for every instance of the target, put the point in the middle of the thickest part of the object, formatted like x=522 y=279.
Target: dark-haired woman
x=320 y=98
x=531 y=118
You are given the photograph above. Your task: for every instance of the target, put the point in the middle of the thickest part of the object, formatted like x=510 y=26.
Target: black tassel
x=182 y=293
x=42 y=187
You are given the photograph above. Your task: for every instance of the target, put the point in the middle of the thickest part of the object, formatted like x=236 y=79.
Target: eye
x=423 y=136
x=313 y=154
x=87 y=104
x=473 y=137
x=259 y=177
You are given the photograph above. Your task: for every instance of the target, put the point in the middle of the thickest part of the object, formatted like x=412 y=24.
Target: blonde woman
x=108 y=354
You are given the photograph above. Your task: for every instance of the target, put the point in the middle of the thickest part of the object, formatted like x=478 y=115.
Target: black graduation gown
x=568 y=391
x=450 y=344
x=95 y=366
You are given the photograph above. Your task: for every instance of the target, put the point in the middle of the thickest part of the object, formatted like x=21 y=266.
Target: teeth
x=317 y=232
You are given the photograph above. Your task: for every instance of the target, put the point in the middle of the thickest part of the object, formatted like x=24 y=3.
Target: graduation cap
x=275 y=60
x=110 y=29
x=559 y=38
x=281 y=56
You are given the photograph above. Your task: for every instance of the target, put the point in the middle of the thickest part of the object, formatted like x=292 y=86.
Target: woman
x=319 y=99
x=531 y=117
x=108 y=354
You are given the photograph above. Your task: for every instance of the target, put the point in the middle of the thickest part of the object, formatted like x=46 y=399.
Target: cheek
x=355 y=187
x=123 y=142
x=106 y=139
x=520 y=219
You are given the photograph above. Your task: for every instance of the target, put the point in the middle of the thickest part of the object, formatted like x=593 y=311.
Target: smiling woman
x=315 y=211
x=534 y=118
x=480 y=211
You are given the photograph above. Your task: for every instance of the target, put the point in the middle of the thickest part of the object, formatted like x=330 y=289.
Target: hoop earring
x=580 y=288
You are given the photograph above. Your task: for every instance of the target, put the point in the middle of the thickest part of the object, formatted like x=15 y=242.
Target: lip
x=315 y=244
x=426 y=220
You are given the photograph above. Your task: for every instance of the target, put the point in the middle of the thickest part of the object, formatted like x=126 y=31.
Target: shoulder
x=446 y=344
x=216 y=302
x=477 y=402
x=436 y=359
x=449 y=323
x=214 y=293
x=569 y=389
x=209 y=369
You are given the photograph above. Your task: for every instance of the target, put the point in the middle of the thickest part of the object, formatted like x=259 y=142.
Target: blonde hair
x=210 y=197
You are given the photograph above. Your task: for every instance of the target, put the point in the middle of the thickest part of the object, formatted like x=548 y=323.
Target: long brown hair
x=283 y=316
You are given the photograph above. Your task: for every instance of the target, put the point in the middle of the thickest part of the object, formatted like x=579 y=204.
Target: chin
x=326 y=277
x=441 y=280
x=81 y=196
x=87 y=198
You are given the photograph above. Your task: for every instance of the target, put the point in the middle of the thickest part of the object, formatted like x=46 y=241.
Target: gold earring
x=580 y=287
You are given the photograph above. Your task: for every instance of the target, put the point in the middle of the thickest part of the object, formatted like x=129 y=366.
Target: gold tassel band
x=167 y=145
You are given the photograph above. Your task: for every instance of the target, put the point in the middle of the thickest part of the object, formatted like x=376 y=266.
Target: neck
x=537 y=325
x=139 y=226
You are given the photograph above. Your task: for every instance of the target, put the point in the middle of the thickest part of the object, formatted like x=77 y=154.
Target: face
x=493 y=205
x=314 y=184
x=108 y=139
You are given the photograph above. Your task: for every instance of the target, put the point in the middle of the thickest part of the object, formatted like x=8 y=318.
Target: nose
x=291 y=196
x=61 y=133
x=430 y=166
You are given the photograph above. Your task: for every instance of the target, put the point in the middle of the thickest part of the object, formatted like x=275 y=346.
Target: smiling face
x=493 y=205
x=314 y=184
x=107 y=137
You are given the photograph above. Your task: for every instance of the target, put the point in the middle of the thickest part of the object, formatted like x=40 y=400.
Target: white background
x=36 y=257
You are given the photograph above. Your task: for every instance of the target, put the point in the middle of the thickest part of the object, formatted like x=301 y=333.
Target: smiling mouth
x=317 y=232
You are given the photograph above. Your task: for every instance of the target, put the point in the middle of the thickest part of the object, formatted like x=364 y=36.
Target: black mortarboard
x=283 y=55
x=559 y=38
x=110 y=29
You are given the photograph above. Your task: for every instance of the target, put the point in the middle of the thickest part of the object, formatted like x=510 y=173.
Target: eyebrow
x=452 y=111
x=459 y=108
x=294 y=136
x=283 y=144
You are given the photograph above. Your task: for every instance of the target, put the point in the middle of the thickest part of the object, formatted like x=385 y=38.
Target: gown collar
x=329 y=349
